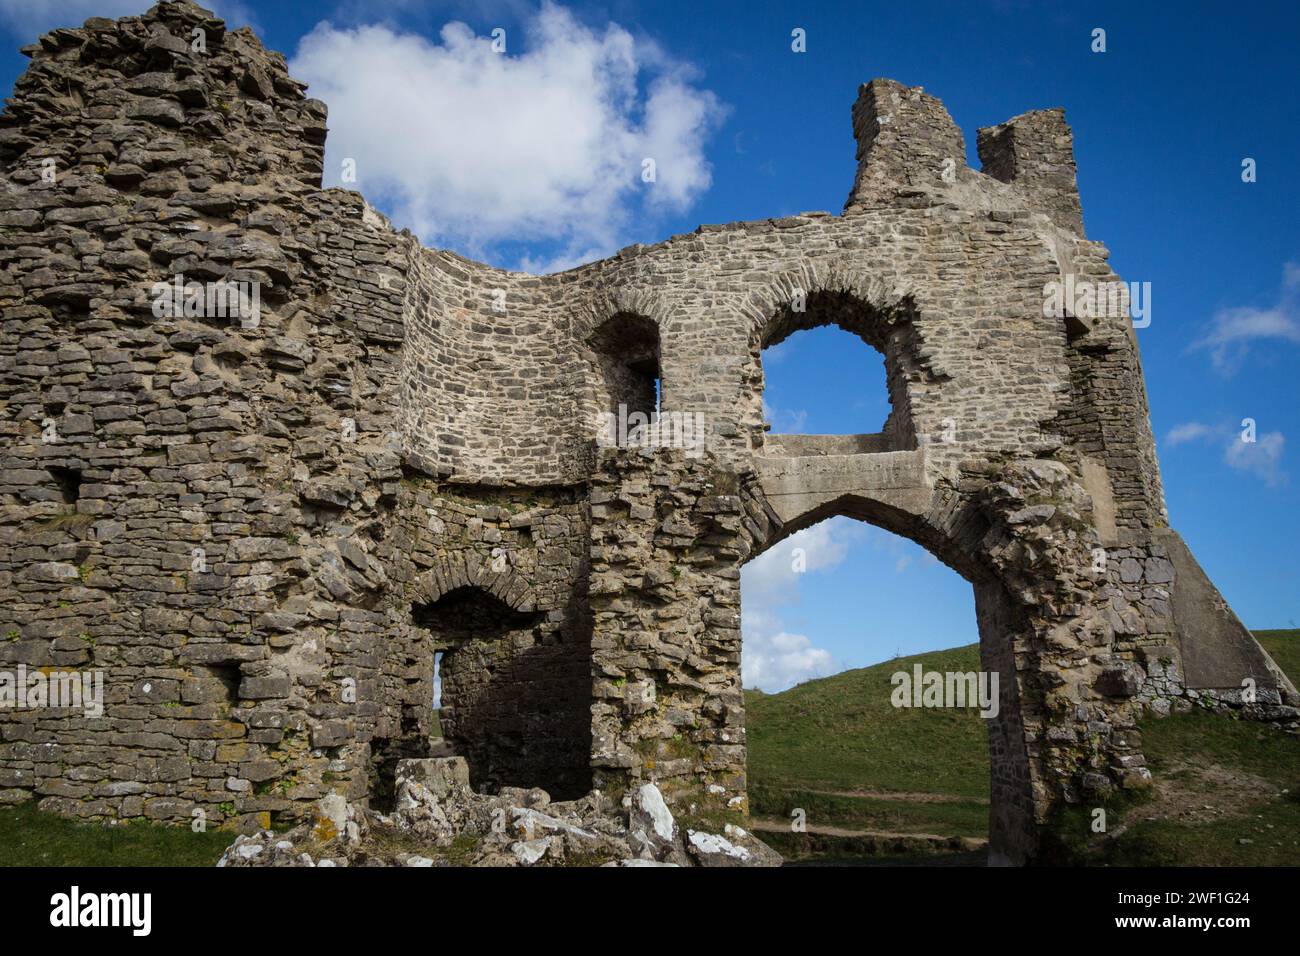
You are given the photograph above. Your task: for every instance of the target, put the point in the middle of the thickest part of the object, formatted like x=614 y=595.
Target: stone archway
x=666 y=602
x=1011 y=813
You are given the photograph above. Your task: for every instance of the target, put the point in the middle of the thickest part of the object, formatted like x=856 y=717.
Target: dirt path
x=1199 y=794
x=777 y=825
x=899 y=797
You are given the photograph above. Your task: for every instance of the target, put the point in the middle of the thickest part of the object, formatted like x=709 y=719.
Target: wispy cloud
x=1259 y=454
x=1234 y=330
x=785 y=421
x=1261 y=458
x=28 y=19
x=774 y=575
x=1187 y=432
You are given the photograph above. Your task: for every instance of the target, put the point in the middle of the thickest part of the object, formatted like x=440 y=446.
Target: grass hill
x=842 y=733
x=1284 y=648
x=878 y=781
x=869 y=778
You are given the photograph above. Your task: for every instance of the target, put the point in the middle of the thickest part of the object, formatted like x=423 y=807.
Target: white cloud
x=1232 y=330
x=778 y=661
x=1261 y=458
x=772 y=657
x=1188 y=431
x=28 y=19
x=772 y=575
x=544 y=142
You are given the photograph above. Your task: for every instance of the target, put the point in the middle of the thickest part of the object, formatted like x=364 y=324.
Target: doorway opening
x=831 y=616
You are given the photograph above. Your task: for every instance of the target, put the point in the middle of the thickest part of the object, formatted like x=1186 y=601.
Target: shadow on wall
x=515 y=702
x=626 y=348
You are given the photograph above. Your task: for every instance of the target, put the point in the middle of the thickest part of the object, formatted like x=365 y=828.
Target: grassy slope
x=812 y=746
x=1227 y=794
x=1284 y=648
x=842 y=734
x=1227 y=791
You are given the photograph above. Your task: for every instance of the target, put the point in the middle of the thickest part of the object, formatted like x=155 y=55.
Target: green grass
x=1284 y=648
x=1238 y=768
x=1272 y=832
x=29 y=837
x=956 y=818
x=829 y=746
x=842 y=733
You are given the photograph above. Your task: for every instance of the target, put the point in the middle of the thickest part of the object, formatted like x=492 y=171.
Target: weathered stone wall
x=669 y=537
x=495 y=581
x=264 y=533
x=223 y=467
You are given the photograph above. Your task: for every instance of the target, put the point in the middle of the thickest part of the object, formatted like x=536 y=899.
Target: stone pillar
x=1035 y=152
x=1013 y=836
x=668 y=537
x=908 y=146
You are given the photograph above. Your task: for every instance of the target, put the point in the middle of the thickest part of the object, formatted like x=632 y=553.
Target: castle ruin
x=264 y=528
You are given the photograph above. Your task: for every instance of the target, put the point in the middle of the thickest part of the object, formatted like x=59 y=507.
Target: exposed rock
x=438 y=815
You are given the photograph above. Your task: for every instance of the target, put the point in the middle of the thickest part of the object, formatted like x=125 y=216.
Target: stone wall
x=263 y=533
x=220 y=468
x=495 y=582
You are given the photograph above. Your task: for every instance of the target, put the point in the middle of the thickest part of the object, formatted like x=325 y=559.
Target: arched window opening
x=825 y=381
x=626 y=347
x=834 y=379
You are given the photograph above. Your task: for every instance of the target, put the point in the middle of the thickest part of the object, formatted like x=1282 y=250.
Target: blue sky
x=744 y=128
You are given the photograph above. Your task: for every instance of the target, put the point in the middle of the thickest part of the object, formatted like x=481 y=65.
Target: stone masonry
x=267 y=532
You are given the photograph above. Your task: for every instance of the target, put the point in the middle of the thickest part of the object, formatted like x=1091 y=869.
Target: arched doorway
x=983 y=682
x=840 y=766
x=514 y=694
x=670 y=535
x=885 y=479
